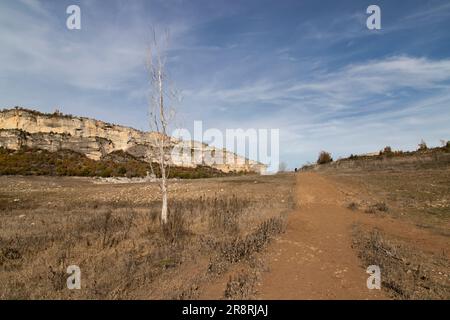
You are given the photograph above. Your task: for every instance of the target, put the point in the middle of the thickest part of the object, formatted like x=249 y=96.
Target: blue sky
x=310 y=68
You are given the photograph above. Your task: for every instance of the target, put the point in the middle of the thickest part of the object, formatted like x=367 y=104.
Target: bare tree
x=161 y=113
x=422 y=146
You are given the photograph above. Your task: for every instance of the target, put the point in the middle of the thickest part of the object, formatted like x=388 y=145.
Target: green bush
x=122 y=170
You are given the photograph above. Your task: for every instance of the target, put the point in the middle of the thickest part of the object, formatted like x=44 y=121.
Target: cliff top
x=58 y=114
x=20 y=110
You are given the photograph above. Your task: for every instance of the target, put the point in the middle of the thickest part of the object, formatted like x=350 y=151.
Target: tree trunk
x=164 y=200
x=163 y=184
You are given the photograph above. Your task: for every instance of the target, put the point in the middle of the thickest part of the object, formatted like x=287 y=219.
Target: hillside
x=429 y=158
x=96 y=140
x=36 y=162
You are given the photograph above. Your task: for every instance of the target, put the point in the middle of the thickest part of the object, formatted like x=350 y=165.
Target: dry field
x=419 y=196
x=404 y=225
x=288 y=236
x=217 y=230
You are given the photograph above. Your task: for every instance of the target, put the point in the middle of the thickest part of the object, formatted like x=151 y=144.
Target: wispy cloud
x=357 y=108
x=33 y=48
x=353 y=83
x=310 y=69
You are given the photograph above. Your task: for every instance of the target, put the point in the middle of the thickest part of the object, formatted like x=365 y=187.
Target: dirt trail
x=314 y=258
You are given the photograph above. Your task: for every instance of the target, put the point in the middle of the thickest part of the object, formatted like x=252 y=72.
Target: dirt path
x=314 y=258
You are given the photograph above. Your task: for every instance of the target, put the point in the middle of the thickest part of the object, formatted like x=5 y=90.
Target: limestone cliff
x=22 y=127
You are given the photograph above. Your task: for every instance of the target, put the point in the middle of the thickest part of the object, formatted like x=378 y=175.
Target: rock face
x=22 y=127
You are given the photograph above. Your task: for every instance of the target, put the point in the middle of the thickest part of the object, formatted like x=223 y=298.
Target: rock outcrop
x=96 y=139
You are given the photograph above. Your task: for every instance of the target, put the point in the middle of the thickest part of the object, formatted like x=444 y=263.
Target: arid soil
x=317 y=257
x=314 y=259
x=112 y=232
x=309 y=235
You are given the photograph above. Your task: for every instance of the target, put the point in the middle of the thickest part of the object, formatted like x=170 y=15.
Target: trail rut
x=314 y=259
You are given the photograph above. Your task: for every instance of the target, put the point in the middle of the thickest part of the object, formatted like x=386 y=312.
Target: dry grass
x=112 y=232
x=413 y=192
x=239 y=248
x=418 y=195
x=406 y=272
x=241 y=286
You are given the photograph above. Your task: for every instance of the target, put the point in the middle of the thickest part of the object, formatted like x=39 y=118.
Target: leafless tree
x=161 y=113
x=422 y=145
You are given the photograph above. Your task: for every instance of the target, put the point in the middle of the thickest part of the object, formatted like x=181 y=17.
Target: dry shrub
x=188 y=293
x=225 y=212
x=240 y=286
x=324 y=157
x=387 y=150
x=222 y=215
x=10 y=258
x=353 y=206
x=110 y=228
x=166 y=255
x=57 y=278
x=122 y=252
x=15 y=251
x=379 y=206
x=14 y=289
x=405 y=272
x=239 y=248
x=422 y=146
x=176 y=227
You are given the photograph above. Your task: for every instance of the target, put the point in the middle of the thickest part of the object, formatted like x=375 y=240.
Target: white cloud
x=360 y=107
x=44 y=48
x=353 y=83
x=381 y=76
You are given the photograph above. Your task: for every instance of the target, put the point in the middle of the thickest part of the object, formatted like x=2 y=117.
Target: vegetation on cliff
x=28 y=161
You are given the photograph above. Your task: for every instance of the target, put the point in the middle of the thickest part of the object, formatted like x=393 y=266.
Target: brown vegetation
x=409 y=204
x=324 y=157
x=407 y=273
x=109 y=231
